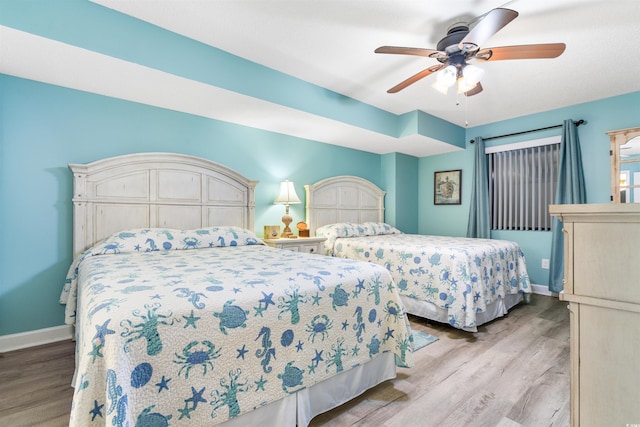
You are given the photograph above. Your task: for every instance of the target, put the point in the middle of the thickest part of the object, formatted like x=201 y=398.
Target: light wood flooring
x=513 y=372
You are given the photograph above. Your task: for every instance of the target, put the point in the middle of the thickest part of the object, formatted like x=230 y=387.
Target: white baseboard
x=34 y=338
x=542 y=290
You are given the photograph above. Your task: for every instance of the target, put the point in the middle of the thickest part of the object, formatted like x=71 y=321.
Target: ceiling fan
x=461 y=45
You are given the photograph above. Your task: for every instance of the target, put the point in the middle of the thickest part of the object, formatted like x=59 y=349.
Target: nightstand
x=311 y=245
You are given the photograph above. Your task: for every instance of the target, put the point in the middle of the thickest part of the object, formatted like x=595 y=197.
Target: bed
x=460 y=281
x=184 y=317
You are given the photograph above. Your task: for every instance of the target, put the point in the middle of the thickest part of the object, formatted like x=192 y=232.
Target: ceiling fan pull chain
x=466 y=111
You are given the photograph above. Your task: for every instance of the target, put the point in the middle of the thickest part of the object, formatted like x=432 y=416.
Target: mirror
x=625 y=165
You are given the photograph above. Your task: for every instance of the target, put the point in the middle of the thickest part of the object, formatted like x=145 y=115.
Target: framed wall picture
x=447 y=187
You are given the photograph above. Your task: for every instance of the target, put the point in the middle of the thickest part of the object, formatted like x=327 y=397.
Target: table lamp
x=287 y=197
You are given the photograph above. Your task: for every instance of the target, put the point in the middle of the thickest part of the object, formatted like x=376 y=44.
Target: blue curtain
x=570 y=190
x=479 y=222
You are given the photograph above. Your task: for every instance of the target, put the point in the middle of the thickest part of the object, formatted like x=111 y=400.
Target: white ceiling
x=330 y=43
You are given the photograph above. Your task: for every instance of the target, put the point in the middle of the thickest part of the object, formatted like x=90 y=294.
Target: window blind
x=522 y=185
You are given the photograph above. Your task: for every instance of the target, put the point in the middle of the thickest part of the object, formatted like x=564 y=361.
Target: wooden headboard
x=163 y=190
x=343 y=199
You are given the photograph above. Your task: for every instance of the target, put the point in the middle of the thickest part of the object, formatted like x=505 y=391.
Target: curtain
x=479 y=217
x=570 y=190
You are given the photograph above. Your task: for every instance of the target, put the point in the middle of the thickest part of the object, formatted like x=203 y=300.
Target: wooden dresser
x=602 y=286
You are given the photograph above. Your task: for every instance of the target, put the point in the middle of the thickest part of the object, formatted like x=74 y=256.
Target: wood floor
x=512 y=372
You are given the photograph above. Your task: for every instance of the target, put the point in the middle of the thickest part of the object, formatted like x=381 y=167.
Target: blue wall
x=601 y=116
x=45 y=127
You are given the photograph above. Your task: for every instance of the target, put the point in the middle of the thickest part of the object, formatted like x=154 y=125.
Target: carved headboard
x=164 y=190
x=343 y=199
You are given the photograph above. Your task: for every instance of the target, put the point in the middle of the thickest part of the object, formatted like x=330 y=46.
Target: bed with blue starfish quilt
x=198 y=327
x=468 y=281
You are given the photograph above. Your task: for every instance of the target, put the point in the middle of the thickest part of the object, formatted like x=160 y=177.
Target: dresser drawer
x=604 y=254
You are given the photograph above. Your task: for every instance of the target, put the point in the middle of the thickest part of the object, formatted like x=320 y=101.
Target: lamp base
x=286 y=220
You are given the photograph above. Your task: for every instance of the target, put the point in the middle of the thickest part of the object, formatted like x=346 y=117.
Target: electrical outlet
x=545 y=263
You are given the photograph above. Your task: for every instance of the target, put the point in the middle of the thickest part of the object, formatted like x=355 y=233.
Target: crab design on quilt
x=191 y=357
x=393 y=310
x=291 y=377
x=112 y=247
x=190 y=242
x=320 y=324
x=148 y=329
x=231 y=316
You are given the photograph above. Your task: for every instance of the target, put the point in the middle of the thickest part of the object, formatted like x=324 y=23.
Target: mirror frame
x=618 y=138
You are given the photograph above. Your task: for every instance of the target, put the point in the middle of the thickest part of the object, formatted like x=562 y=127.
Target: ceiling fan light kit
x=461 y=45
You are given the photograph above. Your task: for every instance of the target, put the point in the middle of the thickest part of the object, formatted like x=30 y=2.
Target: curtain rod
x=577 y=123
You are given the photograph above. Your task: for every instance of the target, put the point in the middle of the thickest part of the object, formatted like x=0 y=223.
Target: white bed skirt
x=300 y=408
x=430 y=311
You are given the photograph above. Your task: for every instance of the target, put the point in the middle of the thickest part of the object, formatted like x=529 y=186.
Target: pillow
x=348 y=229
x=158 y=239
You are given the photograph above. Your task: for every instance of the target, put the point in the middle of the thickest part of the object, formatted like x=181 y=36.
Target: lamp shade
x=287 y=194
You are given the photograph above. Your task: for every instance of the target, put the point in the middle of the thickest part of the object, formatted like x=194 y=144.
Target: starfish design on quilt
x=268 y=299
x=318 y=358
x=97 y=410
x=95 y=352
x=156 y=296
x=191 y=320
x=260 y=383
x=345 y=325
x=355 y=350
x=163 y=384
x=185 y=412
x=259 y=309
x=242 y=351
x=299 y=345
x=316 y=299
x=102 y=331
x=389 y=334
x=196 y=397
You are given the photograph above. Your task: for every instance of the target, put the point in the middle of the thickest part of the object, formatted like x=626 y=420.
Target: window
x=522 y=184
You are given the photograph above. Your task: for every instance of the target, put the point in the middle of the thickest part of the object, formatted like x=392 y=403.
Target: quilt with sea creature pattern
x=458 y=274
x=197 y=327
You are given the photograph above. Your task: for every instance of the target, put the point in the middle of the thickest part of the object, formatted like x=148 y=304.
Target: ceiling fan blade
x=490 y=24
x=475 y=90
x=411 y=80
x=532 y=51
x=408 y=51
